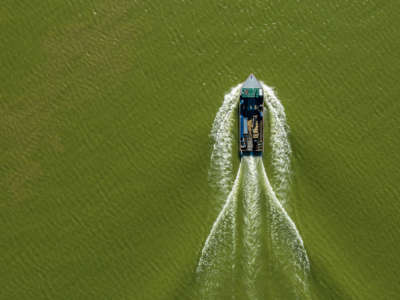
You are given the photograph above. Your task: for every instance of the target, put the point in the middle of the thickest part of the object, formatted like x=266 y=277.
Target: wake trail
x=216 y=264
x=252 y=224
x=220 y=172
x=253 y=244
x=280 y=145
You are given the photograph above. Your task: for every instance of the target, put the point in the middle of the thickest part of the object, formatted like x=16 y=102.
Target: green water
x=106 y=109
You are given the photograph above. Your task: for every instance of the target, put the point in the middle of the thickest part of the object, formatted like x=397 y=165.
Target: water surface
x=106 y=109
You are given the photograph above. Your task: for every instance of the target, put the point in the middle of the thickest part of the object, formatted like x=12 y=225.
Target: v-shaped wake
x=254 y=249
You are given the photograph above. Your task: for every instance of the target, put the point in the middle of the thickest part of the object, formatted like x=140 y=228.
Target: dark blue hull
x=251 y=153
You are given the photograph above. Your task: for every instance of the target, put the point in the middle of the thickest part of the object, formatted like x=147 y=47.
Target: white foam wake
x=253 y=236
x=216 y=264
x=220 y=172
x=287 y=243
x=280 y=145
x=252 y=226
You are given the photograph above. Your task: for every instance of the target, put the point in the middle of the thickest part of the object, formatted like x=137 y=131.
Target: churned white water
x=222 y=134
x=253 y=237
x=280 y=145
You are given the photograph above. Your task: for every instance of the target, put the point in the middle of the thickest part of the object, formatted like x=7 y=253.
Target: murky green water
x=106 y=109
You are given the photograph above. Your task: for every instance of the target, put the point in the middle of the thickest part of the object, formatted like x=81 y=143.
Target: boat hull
x=251 y=118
